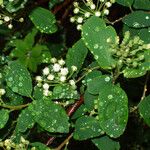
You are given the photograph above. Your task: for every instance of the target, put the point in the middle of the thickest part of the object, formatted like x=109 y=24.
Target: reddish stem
x=70 y=112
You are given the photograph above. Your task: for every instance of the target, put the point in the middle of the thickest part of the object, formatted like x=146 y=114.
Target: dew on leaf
x=136 y=24
x=96 y=46
x=107 y=79
x=96 y=57
x=110 y=96
x=15 y=89
x=147 y=17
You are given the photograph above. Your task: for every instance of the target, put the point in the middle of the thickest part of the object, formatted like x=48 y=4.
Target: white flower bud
x=74 y=68
x=92 y=6
x=72 y=19
x=80 y=20
x=75 y=4
x=38 y=78
x=97 y=13
x=56 y=67
x=53 y=60
x=64 y=71
x=63 y=78
x=47 y=93
x=76 y=10
x=21 y=19
x=72 y=82
x=61 y=62
x=6 y=18
x=79 y=27
x=50 y=77
x=10 y=26
x=46 y=71
x=106 y=11
x=87 y=14
x=2 y=92
x=108 y=4
x=45 y=86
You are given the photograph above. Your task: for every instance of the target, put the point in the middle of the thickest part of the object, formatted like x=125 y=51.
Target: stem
x=14 y=107
x=65 y=142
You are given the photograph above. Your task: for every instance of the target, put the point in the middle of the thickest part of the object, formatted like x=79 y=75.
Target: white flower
x=72 y=19
x=45 y=86
x=75 y=4
x=92 y=6
x=21 y=19
x=53 y=60
x=61 y=62
x=97 y=13
x=87 y=14
x=38 y=78
x=2 y=92
x=63 y=78
x=108 y=4
x=10 y=26
x=106 y=11
x=79 y=27
x=46 y=71
x=56 y=67
x=72 y=82
x=76 y=10
x=50 y=77
x=6 y=18
x=47 y=93
x=64 y=71
x=80 y=20
x=74 y=68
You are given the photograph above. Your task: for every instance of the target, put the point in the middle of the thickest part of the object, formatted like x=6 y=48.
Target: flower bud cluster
x=4 y=19
x=130 y=52
x=55 y=73
x=8 y=144
x=86 y=8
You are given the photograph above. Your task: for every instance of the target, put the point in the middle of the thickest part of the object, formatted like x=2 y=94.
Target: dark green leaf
x=4 y=116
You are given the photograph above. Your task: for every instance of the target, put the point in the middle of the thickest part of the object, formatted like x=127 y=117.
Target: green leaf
x=40 y=146
x=1 y=2
x=87 y=127
x=43 y=20
x=144 y=35
x=18 y=79
x=64 y=91
x=95 y=34
x=134 y=73
x=96 y=84
x=137 y=19
x=4 y=116
x=142 y=4
x=127 y=3
x=104 y=142
x=25 y=121
x=113 y=110
x=144 y=109
x=54 y=118
x=89 y=100
x=76 y=55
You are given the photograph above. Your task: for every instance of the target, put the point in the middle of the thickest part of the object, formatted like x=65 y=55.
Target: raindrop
x=96 y=46
x=110 y=96
x=147 y=17
x=107 y=79
x=136 y=24
x=96 y=57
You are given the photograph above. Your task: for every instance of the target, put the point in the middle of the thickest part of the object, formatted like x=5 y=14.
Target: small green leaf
x=113 y=110
x=127 y=3
x=4 y=116
x=137 y=19
x=18 y=79
x=96 y=84
x=144 y=109
x=142 y=4
x=87 y=127
x=104 y=142
x=54 y=118
x=25 y=121
x=95 y=35
x=76 y=55
x=43 y=20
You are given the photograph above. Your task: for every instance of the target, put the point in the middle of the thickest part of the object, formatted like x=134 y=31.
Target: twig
x=64 y=142
x=70 y=112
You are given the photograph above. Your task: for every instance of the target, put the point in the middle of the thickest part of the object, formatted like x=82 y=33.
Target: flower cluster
x=7 y=20
x=8 y=144
x=130 y=52
x=55 y=73
x=88 y=8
